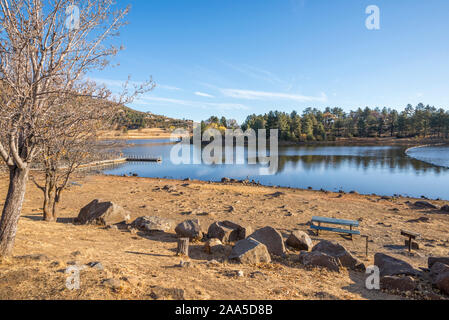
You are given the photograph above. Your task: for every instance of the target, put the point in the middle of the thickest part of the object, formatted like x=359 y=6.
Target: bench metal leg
x=318 y=231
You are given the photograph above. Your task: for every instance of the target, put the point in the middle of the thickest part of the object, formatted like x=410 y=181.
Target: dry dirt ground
x=146 y=267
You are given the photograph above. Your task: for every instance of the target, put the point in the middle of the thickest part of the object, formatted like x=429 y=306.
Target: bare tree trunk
x=49 y=201
x=55 y=204
x=12 y=209
x=49 y=209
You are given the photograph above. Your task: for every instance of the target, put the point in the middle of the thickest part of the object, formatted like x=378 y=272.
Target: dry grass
x=138 y=134
x=147 y=266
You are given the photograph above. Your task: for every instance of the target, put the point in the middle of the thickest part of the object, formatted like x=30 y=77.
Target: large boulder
x=340 y=253
x=438 y=269
x=319 y=259
x=272 y=239
x=227 y=231
x=403 y=284
x=250 y=251
x=390 y=266
x=189 y=229
x=104 y=213
x=439 y=274
x=425 y=205
x=433 y=260
x=445 y=208
x=300 y=240
x=442 y=282
x=153 y=224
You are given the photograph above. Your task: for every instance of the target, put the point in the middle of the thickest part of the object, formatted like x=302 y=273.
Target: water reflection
x=379 y=169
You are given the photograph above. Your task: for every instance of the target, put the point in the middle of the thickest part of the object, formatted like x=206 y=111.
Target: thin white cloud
x=202 y=94
x=162 y=86
x=151 y=100
x=263 y=95
x=255 y=73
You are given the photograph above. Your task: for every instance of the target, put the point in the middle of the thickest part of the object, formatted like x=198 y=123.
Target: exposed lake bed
x=142 y=262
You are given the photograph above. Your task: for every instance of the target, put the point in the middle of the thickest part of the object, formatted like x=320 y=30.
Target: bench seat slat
x=338 y=230
x=336 y=221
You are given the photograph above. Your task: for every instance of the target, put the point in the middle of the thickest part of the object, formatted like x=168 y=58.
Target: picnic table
x=411 y=235
x=339 y=222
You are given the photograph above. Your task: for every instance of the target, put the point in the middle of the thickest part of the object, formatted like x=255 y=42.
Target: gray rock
x=433 y=260
x=340 y=253
x=319 y=259
x=439 y=274
x=153 y=224
x=442 y=282
x=214 y=247
x=250 y=251
x=189 y=229
x=438 y=269
x=272 y=239
x=425 y=205
x=96 y=265
x=227 y=231
x=403 y=284
x=300 y=240
x=445 y=208
x=102 y=213
x=390 y=266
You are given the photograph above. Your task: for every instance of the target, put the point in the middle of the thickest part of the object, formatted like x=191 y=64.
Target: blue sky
x=237 y=57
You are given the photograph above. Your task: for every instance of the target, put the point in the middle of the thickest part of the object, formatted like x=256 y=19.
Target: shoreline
x=255 y=184
x=425 y=146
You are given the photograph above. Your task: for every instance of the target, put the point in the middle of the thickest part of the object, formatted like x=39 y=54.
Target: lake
x=383 y=170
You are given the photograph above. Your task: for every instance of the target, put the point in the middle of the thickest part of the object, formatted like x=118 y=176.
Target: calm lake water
x=383 y=170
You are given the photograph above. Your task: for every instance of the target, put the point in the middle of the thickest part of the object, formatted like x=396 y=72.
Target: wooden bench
x=322 y=220
x=411 y=235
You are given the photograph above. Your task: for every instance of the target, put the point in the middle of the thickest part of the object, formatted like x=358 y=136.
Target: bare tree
x=44 y=58
x=69 y=143
x=71 y=140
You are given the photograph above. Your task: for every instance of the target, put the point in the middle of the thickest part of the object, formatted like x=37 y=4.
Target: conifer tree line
x=315 y=125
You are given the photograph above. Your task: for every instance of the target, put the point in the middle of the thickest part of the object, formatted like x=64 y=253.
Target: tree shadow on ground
x=359 y=287
x=197 y=252
x=40 y=217
x=158 y=236
x=148 y=254
x=34 y=217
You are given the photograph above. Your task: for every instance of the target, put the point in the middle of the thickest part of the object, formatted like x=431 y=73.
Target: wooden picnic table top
x=408 y=233
x=336 y=221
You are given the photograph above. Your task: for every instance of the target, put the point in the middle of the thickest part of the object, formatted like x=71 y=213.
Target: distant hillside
x=127 y=118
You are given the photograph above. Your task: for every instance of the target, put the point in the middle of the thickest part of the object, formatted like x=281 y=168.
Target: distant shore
x=159 y=133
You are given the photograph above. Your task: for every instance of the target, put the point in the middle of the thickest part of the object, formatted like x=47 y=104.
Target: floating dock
x=143 y=159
